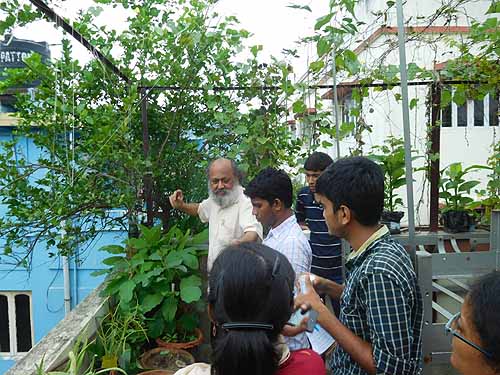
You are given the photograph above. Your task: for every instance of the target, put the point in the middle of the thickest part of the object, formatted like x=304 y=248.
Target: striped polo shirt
x=326 y=249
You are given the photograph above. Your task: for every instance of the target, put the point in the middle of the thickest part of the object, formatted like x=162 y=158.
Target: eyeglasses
x=449 y=329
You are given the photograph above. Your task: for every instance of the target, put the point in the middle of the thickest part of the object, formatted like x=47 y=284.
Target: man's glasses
x=449 y=329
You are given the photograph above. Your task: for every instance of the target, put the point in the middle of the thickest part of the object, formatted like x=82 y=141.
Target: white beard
x=229 y=198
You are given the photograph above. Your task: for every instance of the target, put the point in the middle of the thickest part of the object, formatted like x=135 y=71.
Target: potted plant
x=163 y=361
x=117 y=332
x=158 y=275
x=455 y=190
x=391 y=157
x=80 y=362
x=489 y=198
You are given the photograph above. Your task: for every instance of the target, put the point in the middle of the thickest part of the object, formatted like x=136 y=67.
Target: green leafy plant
x=118 y=331
x=95 y=164
x=78 y=363
x=455 y=188
x=391 y=157
x=158 y=275
x=489 y=198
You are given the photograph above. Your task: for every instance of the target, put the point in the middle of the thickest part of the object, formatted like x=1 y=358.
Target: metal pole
x=406 y=128
x=336 y=102
x=435 y=138
x=495 y=235
x=59 y=21
x=148 y=193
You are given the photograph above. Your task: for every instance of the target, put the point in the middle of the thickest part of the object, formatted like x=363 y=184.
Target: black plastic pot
x=457 y=221
x=392 y=219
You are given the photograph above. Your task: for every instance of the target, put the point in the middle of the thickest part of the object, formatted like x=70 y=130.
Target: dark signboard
x=13 y=51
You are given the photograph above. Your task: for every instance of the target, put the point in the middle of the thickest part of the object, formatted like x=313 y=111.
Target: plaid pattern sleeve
x=389 y=316
x=382 y=305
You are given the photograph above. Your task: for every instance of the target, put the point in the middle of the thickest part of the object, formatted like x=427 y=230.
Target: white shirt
x=227 y=224
x=288 y=239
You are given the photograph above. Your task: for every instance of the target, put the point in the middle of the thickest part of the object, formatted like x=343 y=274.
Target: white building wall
x=469 y=145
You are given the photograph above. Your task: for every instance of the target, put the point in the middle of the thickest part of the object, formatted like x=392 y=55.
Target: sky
x=273 y=25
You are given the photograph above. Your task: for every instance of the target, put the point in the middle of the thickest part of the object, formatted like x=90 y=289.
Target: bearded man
x=227 y=210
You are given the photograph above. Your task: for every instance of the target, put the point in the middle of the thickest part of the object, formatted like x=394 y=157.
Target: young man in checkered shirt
x=379 y=330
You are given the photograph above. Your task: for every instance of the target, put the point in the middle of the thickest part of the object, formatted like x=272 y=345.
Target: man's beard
x=229 y=197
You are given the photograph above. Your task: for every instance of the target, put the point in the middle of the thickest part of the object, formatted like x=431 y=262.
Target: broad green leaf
x=190 y=294
x=467 y=186
x=100 y=272
x=316 y=66
x=200 y=238
x=113 y=249
x=323 y=21
x=126 y=291
x=190 y=260
x=299 y=106
x=459 y=96
x=112 y=260
x=413 y=103
x=445 y=97
x=494 y=7
x=173 y=259
x=322 y=46
x=151 y=301
x=190 y=289
x=169 y=308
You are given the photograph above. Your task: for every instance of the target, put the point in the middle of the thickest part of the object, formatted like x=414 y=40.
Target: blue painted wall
x=45 y=278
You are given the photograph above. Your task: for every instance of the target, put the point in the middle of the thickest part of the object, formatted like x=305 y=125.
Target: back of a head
x=484 y=300
x=249 y=283
x=317 y=161
x=358 y=183
x=271 y=184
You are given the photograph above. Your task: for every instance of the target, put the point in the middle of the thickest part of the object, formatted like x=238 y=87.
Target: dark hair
x=484 y=300
x=271 y=184
x=238 y=173
x=355 y=182
x=317 y=161
x=249 y=282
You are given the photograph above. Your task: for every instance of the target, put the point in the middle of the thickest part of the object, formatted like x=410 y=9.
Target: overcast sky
x=271 y=22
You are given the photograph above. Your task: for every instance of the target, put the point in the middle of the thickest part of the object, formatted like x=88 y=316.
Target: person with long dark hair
x=476 y=329
x=250 y=301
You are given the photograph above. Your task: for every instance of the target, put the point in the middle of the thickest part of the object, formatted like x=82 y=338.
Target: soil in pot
x=166 y=359
x=392 y=220
x=457 y=221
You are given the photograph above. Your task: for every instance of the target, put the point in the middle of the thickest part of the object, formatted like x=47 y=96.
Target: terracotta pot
x=166 y=360
x=182 y=345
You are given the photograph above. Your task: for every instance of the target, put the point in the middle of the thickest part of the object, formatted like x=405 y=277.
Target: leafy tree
x=87 y=122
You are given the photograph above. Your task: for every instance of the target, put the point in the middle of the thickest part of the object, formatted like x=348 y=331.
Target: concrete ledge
x=55 y=346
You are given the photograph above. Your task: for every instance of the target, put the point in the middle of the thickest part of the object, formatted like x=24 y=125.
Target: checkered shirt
x=288 y=239
x=381 y=304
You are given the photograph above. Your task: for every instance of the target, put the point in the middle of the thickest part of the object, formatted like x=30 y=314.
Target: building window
x=493 y=110
x=462 y=114
x=446 y=116
x=479 y=112
x=473 y=113
x=16 y=334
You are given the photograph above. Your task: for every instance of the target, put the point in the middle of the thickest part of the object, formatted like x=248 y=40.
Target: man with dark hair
x=326 y=249
x=227 y=210
x=380 y=325
x=271 y=193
